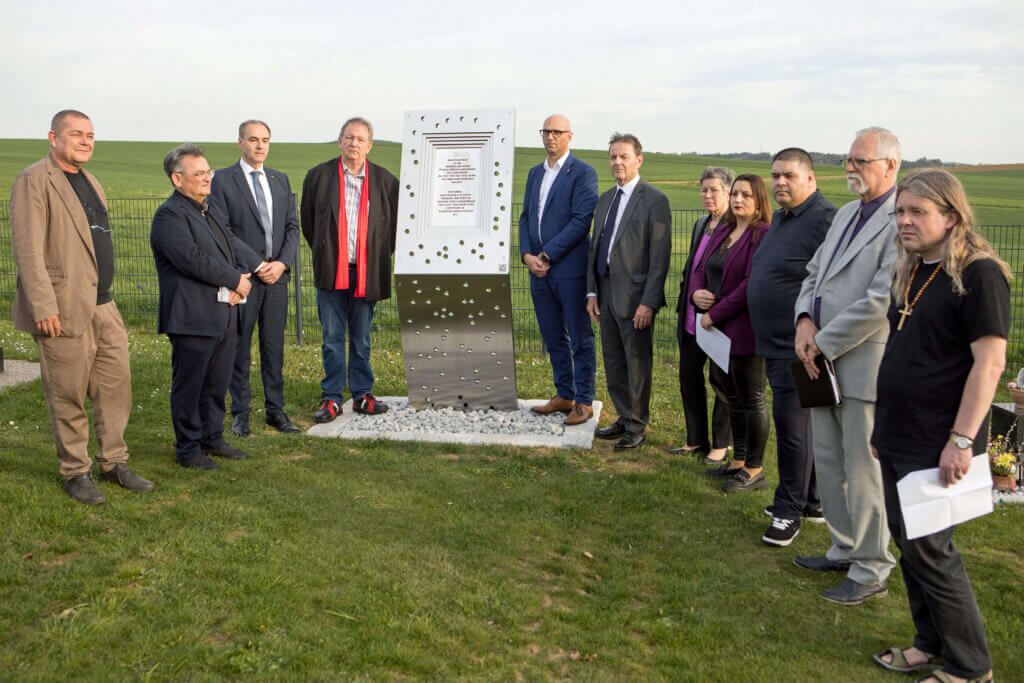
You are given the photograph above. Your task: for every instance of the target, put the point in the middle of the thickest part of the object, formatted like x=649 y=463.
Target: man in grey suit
x=629 y=255
x=841 y=314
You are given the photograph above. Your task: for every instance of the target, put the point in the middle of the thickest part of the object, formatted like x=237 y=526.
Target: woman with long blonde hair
x=948 y=325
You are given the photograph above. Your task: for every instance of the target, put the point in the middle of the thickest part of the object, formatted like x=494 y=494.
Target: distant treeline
x=821 y=159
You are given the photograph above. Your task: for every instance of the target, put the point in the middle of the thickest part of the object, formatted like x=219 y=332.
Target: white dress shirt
x=247 y=172
x=353 y=192
x=627 y=192
x=550 y=173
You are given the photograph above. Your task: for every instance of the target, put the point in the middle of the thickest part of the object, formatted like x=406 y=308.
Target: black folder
x=817 y=393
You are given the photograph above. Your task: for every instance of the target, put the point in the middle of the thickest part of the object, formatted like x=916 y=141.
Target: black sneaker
x=814 y=515
x=782 y=531
x=369 y=405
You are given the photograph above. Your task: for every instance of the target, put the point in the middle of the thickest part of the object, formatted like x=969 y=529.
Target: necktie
x=261 y=205
x=606 y=235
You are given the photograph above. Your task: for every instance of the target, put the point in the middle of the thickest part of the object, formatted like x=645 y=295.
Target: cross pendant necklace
x=908 y=305
x=904 y=312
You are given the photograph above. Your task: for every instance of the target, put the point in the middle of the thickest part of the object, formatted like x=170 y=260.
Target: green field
x=326 y=560
x=371 y=560
x=134 y=169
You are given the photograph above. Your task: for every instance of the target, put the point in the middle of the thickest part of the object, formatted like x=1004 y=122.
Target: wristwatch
x=960 y=440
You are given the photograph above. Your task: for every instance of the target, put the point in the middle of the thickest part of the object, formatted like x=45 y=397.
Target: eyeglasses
x=208 y=173
x=710 y=190
x=858 y=163
x=553 y=133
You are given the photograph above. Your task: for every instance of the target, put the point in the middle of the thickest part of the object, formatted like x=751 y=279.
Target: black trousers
x=628 y=363
x=942 y=603
x=796 y=491
x=200 y=372
x=692 y=360
x=268 y=306
x=744 y=388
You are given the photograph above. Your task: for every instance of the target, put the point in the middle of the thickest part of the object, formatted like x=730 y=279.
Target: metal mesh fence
x=136 y=292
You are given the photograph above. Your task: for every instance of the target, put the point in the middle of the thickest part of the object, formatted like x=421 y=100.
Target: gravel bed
x=402 y=418
x=1008 y=496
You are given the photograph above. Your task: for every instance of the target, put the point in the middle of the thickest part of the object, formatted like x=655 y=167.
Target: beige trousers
x=94 y=364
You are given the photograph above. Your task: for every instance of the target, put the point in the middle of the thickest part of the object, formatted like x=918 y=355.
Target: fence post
x=297 y=280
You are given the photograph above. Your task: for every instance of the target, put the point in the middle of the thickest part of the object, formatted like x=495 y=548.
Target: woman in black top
x=949 y=321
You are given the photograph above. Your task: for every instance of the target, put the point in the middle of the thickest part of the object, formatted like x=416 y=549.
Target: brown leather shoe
x=556 y=405
x=580 y=414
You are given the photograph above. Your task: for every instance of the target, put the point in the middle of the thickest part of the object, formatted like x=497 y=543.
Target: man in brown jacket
x=60 y=233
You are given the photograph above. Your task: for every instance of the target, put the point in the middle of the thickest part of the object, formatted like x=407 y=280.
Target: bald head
x=556 y=135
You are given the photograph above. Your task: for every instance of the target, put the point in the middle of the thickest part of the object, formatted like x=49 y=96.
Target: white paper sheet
x=715 y=344
x=928 y=506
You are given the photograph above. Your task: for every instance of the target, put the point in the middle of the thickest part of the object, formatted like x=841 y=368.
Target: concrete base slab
x=342 y=427
x=18 y=372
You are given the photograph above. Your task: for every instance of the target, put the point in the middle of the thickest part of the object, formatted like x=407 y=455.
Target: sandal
x=944 y=677
x=899 y=662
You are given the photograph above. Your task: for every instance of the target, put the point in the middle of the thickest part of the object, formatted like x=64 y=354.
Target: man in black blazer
x=258 y=205
x=203 y=270
x=629 y=256
x=354 y=273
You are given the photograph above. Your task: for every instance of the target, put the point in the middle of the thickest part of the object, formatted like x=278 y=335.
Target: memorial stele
x=453 y=256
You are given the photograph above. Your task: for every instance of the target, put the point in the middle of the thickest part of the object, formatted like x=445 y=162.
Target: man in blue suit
x=258 y=205
x=553 y=240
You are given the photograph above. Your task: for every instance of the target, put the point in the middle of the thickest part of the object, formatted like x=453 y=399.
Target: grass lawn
x=327 y=559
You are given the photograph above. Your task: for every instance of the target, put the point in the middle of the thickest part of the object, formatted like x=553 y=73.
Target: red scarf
x=341 y=277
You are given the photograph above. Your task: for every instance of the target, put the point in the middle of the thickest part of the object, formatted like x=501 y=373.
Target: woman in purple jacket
x=719 y=289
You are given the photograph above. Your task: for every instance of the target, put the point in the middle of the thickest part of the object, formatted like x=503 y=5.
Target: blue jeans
x=339 y=310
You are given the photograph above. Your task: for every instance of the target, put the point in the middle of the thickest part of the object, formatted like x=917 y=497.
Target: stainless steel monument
x=452 y=258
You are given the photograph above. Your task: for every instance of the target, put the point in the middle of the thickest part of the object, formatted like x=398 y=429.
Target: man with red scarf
x=349 y=213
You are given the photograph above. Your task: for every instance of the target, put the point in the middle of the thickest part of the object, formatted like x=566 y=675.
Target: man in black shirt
x=60 y=233
x=778 y=270
x=204 y=270
x=948 y=325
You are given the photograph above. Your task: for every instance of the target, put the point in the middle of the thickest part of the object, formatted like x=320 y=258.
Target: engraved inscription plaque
x=456 y=188
x=452 y=258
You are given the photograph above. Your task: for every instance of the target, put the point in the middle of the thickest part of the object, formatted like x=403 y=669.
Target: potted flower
x=1003 y=463
x=1016 y=390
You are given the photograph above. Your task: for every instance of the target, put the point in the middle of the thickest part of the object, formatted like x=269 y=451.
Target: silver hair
x=724 y=175
x=172 y=162
x=356 y=119
x=888 y=146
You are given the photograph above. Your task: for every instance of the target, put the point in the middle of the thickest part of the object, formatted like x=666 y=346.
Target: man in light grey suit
x=629 y=255
x=840 y=314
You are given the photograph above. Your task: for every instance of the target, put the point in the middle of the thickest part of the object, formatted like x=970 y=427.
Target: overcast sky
x=947 y=77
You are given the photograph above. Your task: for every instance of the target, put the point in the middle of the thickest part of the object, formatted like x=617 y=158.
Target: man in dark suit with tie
x=204 y=271
x=629 y=257
x=349 y=218
x=258 y=205
x=557 y=209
